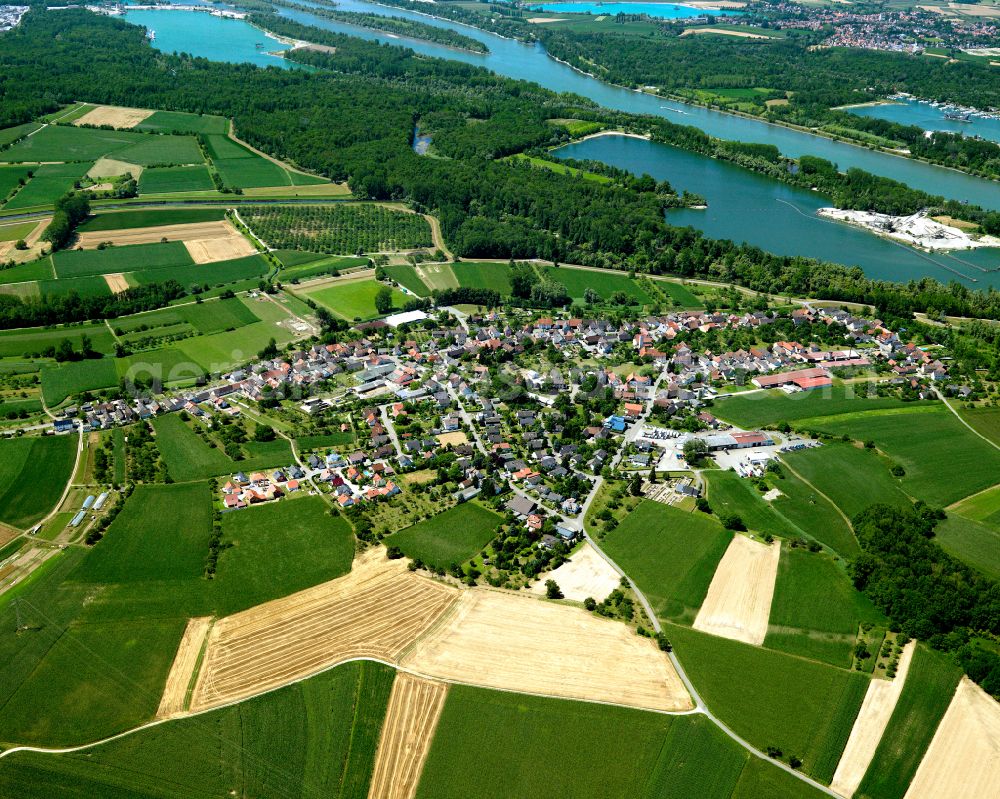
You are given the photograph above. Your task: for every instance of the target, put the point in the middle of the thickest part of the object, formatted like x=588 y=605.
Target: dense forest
x=354 y=120
x=924 y=591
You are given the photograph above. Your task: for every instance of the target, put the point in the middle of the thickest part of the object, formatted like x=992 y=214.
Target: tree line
x=925 y=592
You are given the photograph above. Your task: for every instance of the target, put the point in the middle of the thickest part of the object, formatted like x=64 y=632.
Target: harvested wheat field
x=415 y=706
x=117 y=282
x=182 y=669
x=206 y=250
x=377 y=611
x=963 y=760
x=880 y=701
x=738 y=603
x=585 y=574
x=120 y=118
x=190 y=231
x=520 y=643
x=110 y=168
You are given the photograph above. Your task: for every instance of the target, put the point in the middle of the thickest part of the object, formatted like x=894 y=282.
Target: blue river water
x=746 y=207
x=661 y=10
x=926 y=116
x=743 y=206
x=201 y=34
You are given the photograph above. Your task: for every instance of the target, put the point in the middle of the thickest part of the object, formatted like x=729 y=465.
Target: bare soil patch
x=116 y=282
x=206 y=242
x=879 y=702
x=411 y=719
x=221 y=248
x=963 y=760
x=110 y=168
x=88 y=240
x=377 y=611
x=585 y=574
x=520 y=643
x=738 y=603
x=455 y=439
x=120 y=118
x=182 y=669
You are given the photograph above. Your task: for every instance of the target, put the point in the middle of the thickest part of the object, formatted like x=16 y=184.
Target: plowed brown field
x=410 y=721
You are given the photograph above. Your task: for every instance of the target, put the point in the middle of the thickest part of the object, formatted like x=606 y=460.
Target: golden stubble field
x=493 y=639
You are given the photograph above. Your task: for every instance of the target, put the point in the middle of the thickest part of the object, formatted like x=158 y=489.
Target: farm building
x=720 y=441
x=803 y=379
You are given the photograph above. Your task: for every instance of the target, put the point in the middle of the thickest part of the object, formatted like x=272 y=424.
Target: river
x=924 y=115
x=531 y=62
x=743 y=206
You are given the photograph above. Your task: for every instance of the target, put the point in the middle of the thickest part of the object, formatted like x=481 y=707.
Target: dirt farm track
x=385 y=612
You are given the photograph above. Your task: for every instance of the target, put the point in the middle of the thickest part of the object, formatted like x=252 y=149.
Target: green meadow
x=671 y=554
x=450 y=537
x=800 y=706
x=314 y=738
x=353 y=299
x=34 y=471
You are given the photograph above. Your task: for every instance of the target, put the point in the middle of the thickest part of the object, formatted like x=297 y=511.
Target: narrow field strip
x=411 y=719
x=876 y=710
x=182 y=669
x=963 y=760
x=738 y=603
